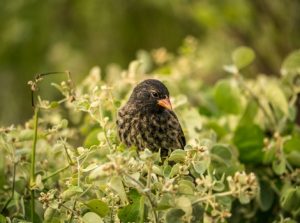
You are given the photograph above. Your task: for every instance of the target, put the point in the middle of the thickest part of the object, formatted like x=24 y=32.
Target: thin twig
x=33 y=153
x=68 y=155
x=72 y=215
x=64 y=168
x=78 y=172
x=208 y=197
x=56 y=172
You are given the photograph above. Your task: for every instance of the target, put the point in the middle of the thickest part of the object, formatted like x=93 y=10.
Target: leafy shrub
x=241 y=163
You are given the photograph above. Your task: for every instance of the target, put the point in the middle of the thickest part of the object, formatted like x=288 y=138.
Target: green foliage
x=240 y=164
x=242 y=57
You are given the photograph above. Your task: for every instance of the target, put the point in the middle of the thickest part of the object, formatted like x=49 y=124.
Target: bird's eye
x=154 y=94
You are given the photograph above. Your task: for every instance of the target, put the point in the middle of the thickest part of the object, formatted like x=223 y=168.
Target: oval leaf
x=117 y=185
x=291 y=65
x=276 y=96
x=249 y=140
x=243 y=56
x=226 y=96
x=91 y=217
x=98 y=206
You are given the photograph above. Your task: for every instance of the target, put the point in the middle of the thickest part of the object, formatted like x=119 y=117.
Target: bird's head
x=151 y=95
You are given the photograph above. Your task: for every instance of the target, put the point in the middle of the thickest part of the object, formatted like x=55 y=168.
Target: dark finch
x=147 y=119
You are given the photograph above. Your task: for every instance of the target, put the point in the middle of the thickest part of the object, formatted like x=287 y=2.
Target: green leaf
x=186 y=187
x=269 y=155
x=174 y=216
x=92 y=139
x=225 y=201
x=134 y=212
x=178 y=155
x=290 y=199
x=227 y=97
x=117 y=185
x=70 y=192
x=165 y=202
x=2 y=219
x=294 y=158
x=219 y=129
x=250 y=112
x=185 y=204
x=54 y=104
x=193 y=122
x=291 y=65
x=218 y=186
x=266 y=196
x=98 y=206
x=200 y=166
x=242 y=57
x=221 y=159
x=197 y=214
x=167 y=170
x=292 y=144
x=92 y=217
x=221 y=151
x=174 y=171
x=279 y=165
x=249 y=141
x=277 y=98
x=26 y=134
x=49 y=214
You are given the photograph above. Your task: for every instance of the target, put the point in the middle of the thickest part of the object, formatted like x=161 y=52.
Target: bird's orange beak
x=165 y=103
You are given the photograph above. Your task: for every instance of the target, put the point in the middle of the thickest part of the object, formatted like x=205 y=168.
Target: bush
x=241 y=162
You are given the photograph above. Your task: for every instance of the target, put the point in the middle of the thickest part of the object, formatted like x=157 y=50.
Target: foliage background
x=38 y=36
x=241 y=163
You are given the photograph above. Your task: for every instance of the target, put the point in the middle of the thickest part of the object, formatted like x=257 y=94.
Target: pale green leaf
x=117 y=185
x=242 y=57
x=178 y=155
x=71 y=191
x=174 y=216
x=98 y=206
x=291 y=65
x=276 y=96
x=227 y=97
x=92 y=217
x=185 y=204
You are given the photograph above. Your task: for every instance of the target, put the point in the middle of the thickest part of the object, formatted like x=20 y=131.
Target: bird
x=147 y=120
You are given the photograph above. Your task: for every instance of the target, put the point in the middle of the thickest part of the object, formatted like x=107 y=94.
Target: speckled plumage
x=144 y=123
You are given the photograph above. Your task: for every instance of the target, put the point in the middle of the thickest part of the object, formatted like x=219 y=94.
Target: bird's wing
x=181 y=137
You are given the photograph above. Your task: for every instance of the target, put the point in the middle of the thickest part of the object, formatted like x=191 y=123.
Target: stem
x=72 y=215
x=56 y=172
x=63 y=169
x=33 y=152
x=78 y=172
x=68 y=155
x=71 y=210
x=106 y=138
x=208 y=197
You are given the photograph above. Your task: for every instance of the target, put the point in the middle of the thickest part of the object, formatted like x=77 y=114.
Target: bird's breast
x=146 y=130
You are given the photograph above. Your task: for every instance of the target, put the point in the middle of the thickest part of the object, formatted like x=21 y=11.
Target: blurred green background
x=40 y=36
